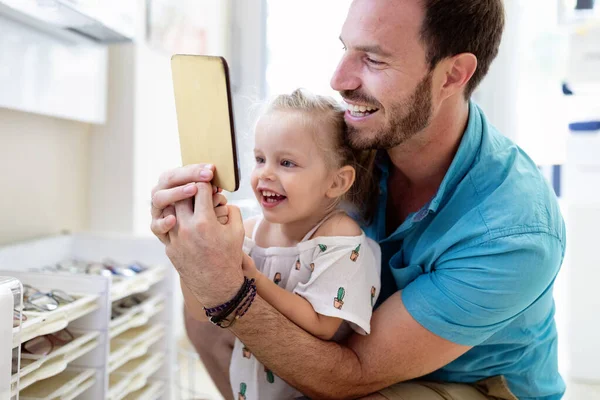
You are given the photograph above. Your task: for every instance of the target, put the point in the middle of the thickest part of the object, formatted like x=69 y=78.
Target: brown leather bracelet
x=242 y=308
x=229 y=306
x=234 y=303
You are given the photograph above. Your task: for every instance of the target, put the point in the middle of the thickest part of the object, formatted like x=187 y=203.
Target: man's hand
x=175 y=185
x=206 y=253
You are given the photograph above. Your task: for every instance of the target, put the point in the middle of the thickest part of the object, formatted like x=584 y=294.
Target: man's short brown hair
x=452 y=27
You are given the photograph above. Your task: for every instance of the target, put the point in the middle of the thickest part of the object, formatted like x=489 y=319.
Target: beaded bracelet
x=211 y=312
x=239 y=314
x=240 y=311
x=246 y=301
x=239 y=298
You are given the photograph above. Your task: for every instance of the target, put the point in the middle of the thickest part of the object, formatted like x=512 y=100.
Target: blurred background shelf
x=150 y=391
x=66 y=385
x=36 y=367
x=42 y=323
x=133 y=375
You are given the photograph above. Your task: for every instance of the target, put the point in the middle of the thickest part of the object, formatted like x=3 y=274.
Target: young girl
x=310 y=260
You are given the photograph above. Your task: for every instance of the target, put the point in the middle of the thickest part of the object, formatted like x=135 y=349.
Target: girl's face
x=291 y=176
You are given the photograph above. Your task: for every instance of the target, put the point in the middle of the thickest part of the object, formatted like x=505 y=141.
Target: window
x=303 y=46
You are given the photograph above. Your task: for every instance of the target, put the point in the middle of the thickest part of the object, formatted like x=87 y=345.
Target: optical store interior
x=91 y=305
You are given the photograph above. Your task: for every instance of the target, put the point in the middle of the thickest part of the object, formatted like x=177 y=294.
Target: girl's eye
x=260 y=160
x=287 y=164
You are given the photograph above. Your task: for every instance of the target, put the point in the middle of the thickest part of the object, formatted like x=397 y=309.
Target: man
x=471 y=235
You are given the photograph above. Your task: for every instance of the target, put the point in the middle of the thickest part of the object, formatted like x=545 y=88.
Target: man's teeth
x=360 y=109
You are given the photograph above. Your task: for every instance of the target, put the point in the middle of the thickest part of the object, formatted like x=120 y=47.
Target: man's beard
x=405 y=119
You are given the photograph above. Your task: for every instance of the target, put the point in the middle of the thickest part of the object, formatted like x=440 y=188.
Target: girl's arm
x=295 y=308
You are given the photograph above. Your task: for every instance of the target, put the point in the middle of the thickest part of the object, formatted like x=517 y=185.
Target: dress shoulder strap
x=313 y=230
x=259 y=220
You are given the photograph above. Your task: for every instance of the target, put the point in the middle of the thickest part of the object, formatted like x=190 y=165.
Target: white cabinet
x=129 y=354
x=47 y=75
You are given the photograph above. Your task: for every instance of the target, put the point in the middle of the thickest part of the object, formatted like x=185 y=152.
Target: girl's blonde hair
x=326 y=110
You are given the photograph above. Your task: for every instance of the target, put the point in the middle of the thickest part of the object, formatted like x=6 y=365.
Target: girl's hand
x=249 y=268
x=220 y=205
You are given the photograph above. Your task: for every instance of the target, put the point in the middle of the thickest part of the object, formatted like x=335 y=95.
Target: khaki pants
x=491 y=388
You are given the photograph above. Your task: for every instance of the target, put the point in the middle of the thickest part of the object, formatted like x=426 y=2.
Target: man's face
x=384 y=76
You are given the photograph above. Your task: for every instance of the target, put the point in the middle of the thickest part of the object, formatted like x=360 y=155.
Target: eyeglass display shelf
x=151 y=391
x=43 y=323
x=123 y=287
x=137 y=315
x=36 y=367
x=133 y=375
x=133 y=344
x=24 y=261
x=64 y=386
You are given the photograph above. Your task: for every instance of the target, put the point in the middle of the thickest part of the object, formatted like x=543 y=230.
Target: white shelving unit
x=85 y=318
x=131 y=356
x=11 y=302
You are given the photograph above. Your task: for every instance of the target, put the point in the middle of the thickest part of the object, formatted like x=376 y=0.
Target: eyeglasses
x=122 y=306
x=106 y=268
x=36 y=300
x=44 y=345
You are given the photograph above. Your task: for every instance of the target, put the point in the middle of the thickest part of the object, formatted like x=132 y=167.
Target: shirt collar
x=464 y=158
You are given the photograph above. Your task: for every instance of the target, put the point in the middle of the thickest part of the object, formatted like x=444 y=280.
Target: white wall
x=111 y=157
x=522 y=94
x=44 y=159
x=44 y=175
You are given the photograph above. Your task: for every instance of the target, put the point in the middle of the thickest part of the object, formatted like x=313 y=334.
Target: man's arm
x=207 y=256
x=397 y=349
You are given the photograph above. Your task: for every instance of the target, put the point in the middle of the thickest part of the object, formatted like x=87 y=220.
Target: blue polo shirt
x=477 y=264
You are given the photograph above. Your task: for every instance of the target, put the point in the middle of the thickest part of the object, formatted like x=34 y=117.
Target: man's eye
x=374 y=62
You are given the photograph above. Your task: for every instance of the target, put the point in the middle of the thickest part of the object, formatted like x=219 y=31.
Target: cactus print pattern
x=338 y=302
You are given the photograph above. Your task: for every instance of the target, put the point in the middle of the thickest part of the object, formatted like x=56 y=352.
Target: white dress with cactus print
x=338 y=275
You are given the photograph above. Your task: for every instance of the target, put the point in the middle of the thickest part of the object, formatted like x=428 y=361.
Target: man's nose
x=345 y=76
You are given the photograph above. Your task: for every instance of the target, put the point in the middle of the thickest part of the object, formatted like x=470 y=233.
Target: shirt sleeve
x=474 y=292
x=344 y=283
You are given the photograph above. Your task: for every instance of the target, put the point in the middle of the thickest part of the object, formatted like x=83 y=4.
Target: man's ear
x=342 y=181
x=458 y=72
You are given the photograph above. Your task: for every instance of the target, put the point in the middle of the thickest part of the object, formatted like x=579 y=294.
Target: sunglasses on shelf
x=36 y=300
x=105 y=268
x=44 y=345
x=120 y=307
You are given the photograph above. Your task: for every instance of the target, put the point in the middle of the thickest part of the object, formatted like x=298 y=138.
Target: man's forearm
x=317 y=368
